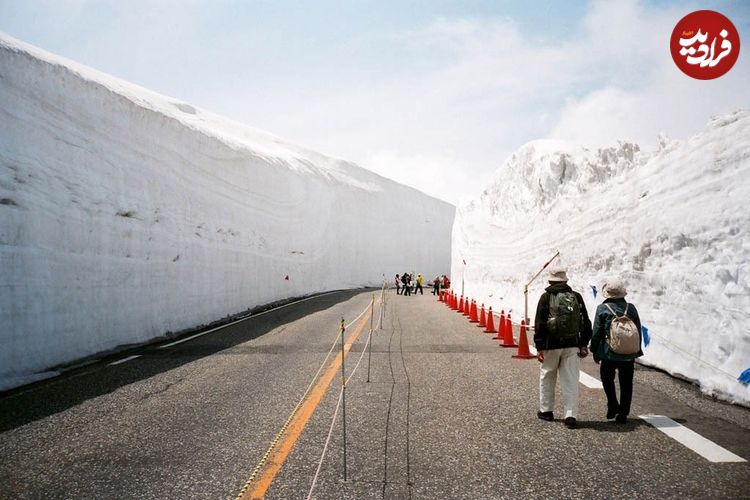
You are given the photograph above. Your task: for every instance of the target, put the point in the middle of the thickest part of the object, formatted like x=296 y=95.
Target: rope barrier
x=670 y=345
x=284 y=427
x=333 y=420
x=325 y=446
x=346 y=380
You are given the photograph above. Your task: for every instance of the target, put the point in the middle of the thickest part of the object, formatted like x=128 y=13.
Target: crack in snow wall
x=125 y=215
x=673 y=224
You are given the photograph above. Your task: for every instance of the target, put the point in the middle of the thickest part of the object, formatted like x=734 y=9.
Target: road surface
x=446 y=413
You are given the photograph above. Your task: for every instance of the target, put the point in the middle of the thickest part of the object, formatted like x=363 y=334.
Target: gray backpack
x=624 y=337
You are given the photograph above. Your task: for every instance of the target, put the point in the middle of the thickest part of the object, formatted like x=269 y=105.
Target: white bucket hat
x=614 y=289
x=558 y=275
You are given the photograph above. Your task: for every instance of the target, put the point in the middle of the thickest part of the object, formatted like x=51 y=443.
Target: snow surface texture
x=125 y=215
x=673 y=224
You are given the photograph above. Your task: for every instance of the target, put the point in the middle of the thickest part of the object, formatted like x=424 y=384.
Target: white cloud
x=456 y=96
x=437 y=106
x=643 y=92
x=490 y=88
x=601 y=117
x=442 y=176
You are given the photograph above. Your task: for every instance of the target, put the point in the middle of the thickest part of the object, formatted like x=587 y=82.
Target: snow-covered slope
x=673 y=224
x=125 y=215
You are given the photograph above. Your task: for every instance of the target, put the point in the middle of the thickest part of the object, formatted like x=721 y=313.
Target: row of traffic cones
x=486 y=320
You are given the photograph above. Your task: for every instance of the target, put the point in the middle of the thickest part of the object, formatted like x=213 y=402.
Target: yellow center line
x=281 y=449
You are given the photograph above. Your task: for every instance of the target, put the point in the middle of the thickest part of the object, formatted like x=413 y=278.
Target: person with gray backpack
x=615 y=344
x=562 y=331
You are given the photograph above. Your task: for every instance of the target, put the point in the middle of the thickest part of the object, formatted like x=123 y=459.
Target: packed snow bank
x=125 y=215
x=673 y=224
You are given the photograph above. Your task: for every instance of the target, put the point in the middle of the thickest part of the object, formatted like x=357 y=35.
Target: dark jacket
x=542 y=339
x=602 y=320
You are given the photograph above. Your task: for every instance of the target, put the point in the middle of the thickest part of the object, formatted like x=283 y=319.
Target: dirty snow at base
x=672 y=223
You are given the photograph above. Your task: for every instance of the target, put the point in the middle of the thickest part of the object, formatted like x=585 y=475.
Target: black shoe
x=570 y=423
x=612 y=413
x=622 y=419
x=545 y=415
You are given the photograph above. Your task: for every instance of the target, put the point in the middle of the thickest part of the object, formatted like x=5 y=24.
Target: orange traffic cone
x=523 y=344
x=482 y=317
x=490 y=322
x=508 y=334
x=467 y=307
x=500 y=327
x=473 y=313
x=461 y=305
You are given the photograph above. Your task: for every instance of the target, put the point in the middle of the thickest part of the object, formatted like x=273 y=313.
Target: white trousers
x=565 y=362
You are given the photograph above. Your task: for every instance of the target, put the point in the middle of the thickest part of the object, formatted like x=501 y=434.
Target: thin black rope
x=408 y=408
x=388 y=416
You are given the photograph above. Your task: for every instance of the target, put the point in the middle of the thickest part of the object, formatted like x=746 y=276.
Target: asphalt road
x=446 y=413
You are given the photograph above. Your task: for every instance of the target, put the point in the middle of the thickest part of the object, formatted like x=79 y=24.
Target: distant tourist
x=405 y=283
x=420 y=280
x=616 y=342
x=562 y=331
x=446 y=282
x=398 y=284
x=436 y=286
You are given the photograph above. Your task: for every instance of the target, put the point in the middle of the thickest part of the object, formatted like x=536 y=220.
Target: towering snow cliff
x=125 y=215
x=673 y=224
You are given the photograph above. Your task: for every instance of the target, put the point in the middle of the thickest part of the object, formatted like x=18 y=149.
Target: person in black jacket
x=562 y=330
x=624 y=364
x=405 y=282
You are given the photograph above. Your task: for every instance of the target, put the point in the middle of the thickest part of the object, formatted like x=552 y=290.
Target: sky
x=433 y=94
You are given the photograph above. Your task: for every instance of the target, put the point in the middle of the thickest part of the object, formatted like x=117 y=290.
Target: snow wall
x=125 y=215
x=673 y=224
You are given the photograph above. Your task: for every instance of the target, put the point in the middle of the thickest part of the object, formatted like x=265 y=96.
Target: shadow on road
x=612 y=426
x=42 y=399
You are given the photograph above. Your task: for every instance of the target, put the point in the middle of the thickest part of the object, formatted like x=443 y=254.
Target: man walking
x=562 y=330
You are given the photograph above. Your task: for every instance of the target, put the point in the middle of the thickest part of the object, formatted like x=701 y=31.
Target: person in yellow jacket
x=420 y=280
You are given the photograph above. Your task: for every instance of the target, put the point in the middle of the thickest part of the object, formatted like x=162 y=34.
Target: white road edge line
x=702 y=446
x=244 y=318
x=124 y=360
x=589 y=381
